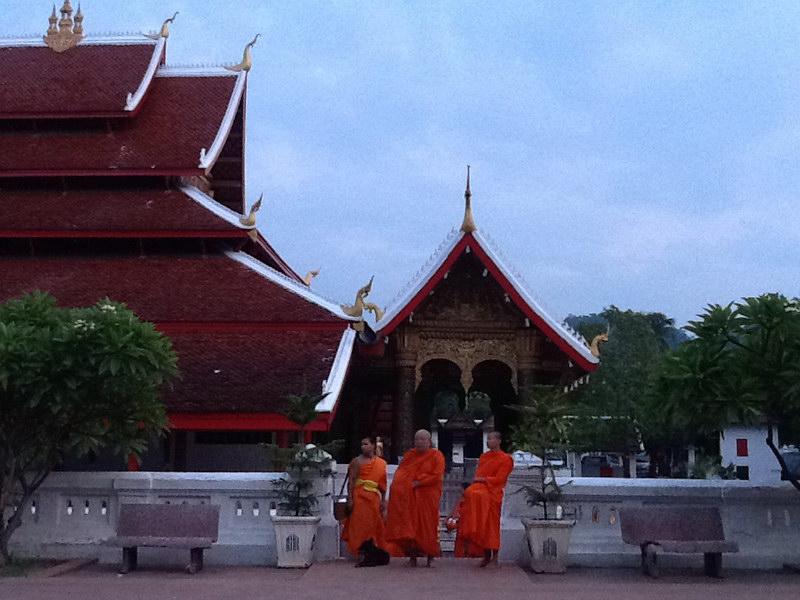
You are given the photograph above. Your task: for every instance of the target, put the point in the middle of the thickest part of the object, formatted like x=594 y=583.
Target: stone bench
x=191 y=526
x=682 y=530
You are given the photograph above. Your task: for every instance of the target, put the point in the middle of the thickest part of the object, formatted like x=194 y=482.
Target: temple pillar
x=526 y=376
x=403 y=434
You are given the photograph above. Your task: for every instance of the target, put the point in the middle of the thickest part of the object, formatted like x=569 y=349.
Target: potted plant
x=542 y=429
x=295 y=522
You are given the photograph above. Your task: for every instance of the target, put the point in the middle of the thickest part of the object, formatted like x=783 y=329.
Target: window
x=741 y=447
x=743 y=473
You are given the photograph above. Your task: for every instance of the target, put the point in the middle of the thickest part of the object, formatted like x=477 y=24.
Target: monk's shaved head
x=494 y=439
x=422 y=440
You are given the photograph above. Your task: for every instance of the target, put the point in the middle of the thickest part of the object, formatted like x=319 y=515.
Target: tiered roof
x=102 y=143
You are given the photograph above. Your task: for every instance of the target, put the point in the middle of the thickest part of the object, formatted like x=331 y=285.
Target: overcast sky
x=642 y=154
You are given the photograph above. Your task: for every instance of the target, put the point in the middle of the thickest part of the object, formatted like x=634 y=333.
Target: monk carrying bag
x=340 y=509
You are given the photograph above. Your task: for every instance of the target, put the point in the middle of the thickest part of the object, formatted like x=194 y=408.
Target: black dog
x=373 y=556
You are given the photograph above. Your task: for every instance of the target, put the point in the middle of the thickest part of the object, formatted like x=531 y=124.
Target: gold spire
x=468 y=225
x=64 y=33
x=247 y=57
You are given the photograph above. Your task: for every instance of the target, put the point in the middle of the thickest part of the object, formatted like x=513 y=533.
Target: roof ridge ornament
x=468 y=225
x=249 y=220
x=247 y=57
x=164 y=32
x=64 y=33
x=360 y=305
x=309 y=277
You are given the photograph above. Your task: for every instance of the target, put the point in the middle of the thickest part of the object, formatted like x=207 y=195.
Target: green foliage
x=742 y=366
x=301 y=409
x=304 y=463
x=73 y=380
x=543 y=426
x=613 y=410
x=446 y=405
x=296 y=494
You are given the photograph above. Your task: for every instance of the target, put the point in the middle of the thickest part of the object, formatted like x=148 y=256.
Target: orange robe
x=479 y=511
x=412 y=528
x=365 y=521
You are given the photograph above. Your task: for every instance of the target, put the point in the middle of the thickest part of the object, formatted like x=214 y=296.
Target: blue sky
x=643 y=154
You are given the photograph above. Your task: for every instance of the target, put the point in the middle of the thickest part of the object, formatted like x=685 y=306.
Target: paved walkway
x=457 y=580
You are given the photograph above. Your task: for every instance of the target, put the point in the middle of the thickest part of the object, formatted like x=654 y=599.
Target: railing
x=73 y=513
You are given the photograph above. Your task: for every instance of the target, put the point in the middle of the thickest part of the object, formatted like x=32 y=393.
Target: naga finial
x=309 y=277
x=468 y=225
x=360 y=305
x=247 y=57
x=250 y=219
x=164 y=33
x=594 y=347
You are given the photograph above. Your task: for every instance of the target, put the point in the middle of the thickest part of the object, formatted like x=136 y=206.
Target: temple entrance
x=492 y=378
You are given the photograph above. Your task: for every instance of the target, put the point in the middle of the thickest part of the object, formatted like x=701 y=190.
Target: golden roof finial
x=309 y=277
x=468 y=225
x=68 y=33
x=360 y=305
x=250 y=219
x=247 y=57
x=165 y=26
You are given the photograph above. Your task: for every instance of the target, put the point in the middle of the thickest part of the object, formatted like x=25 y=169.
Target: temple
x=123 y=176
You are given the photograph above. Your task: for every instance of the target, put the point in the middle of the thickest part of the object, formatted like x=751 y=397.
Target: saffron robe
x=366 y=521
x=412 y=527
x=479 y=510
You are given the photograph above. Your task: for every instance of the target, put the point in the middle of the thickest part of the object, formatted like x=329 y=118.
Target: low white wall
x=764 y=520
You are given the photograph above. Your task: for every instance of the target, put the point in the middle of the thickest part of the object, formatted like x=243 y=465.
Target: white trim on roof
x=566 y=334
x=209 y=157
x=335 y=382
x=288 y=284
x=420 y=278
x=125 y=39
x=135 y=98
x=195 y=71
x=207 y=202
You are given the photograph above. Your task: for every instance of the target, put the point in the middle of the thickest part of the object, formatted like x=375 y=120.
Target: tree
x=743 y=366
x=73 y=381
x=612 y=409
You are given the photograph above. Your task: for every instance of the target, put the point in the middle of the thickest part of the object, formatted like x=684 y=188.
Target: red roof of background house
x=88 y=80
x=242 y=372
x=170 y=288
x=146 y=210
x=181 y=116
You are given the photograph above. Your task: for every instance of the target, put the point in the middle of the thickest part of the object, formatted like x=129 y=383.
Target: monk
x=366 y=501
x=479 y=511
x=412 y=528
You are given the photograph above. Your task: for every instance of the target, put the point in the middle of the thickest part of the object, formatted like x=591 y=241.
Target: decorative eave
x=222 y=211
x=335 y=382
x=134 y=99
x=288 y=283
x=443 y=259
x=209 y=157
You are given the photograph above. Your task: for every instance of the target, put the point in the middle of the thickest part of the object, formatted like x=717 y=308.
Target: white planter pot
x=548 y=542
x=295 y=538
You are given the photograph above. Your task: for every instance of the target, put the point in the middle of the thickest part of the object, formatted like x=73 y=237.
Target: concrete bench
x=682 y=530
x=191 y=526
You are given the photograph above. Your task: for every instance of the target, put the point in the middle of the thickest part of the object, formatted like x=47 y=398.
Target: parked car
x=601 y=465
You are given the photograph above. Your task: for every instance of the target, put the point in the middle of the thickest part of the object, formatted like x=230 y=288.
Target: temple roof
x=242 y=372
x=180 y=130
x=100 y=77
x=458 y=242
x=230 y=287
x=147 y=212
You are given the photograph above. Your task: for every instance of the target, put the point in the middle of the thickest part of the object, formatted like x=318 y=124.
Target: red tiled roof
x=249 y=372
x=90 y=79
x=180 y=116
x=175 y=288
x=106 y=210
